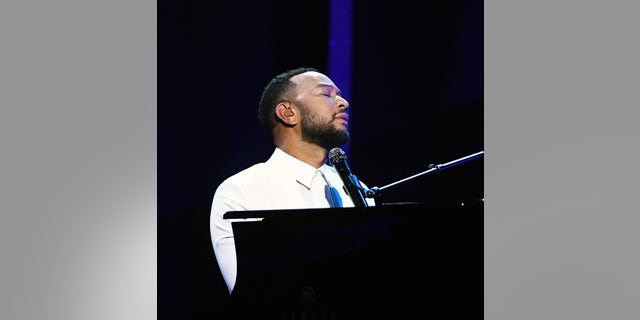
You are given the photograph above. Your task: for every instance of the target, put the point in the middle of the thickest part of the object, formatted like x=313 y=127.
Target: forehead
x=311 y=79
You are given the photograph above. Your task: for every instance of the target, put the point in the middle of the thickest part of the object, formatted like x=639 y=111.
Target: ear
x=286 y=113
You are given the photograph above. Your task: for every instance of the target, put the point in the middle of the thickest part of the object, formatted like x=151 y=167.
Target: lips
x=342 y=116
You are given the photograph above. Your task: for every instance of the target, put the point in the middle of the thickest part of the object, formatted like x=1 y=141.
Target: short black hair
x=273 y=94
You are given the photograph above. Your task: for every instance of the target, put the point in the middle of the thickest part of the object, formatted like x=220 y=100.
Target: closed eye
x=329 y=91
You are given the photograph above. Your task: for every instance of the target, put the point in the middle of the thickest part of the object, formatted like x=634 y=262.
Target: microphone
x=338 y=159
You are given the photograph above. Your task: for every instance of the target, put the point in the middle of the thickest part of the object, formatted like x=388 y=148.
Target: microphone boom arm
x=375 y=191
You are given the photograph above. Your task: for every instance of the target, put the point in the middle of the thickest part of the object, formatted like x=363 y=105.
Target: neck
x=311 y=154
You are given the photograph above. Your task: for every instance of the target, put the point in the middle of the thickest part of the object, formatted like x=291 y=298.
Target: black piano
x=395 y=261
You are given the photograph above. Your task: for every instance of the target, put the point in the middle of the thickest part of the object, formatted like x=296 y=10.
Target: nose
x=342 y=103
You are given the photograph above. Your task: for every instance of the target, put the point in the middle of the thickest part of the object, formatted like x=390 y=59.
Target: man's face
x=324 y=118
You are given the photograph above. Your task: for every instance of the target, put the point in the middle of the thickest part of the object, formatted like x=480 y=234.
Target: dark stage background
x=416 y=92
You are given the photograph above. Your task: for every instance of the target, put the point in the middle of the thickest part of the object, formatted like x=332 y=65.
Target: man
x=307 y=116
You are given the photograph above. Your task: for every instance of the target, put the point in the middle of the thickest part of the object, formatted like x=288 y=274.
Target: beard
x=321 y=133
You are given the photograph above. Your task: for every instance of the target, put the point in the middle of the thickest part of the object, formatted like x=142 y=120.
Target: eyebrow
x=323 y=85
